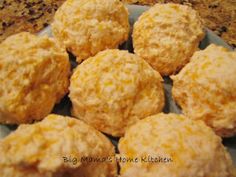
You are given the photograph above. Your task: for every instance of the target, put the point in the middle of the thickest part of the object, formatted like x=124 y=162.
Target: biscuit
x=86 y=27
x=34 y=75
x=205 y=89
x=56 y=147
x=173 y=145
x=114 y=89
x=167 y=35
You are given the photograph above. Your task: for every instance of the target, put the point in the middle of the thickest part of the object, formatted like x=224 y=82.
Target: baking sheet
x=135 y=11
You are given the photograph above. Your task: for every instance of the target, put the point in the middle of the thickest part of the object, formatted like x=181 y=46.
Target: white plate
x=135 y=11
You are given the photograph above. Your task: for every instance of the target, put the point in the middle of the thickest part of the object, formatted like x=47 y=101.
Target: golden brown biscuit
x=34 y=75
x=205 y=89
x=56 y=147
x=89 y=26
x=173 y=145
x=114 y=89
x=167 y=35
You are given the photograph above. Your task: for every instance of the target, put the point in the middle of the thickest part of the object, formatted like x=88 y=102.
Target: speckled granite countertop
x=219 y=16
x=34 y=15
x=25 y=15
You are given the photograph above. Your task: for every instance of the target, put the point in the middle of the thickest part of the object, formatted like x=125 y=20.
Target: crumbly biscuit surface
x=89 y=26
x=34 y=75
x=205 y=89
x=38 y=150
x=193 y=147
x=114 y=89
x=167 y=35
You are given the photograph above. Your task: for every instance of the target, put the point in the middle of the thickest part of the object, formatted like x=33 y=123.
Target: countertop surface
x=26 y=15
x=34 y=15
